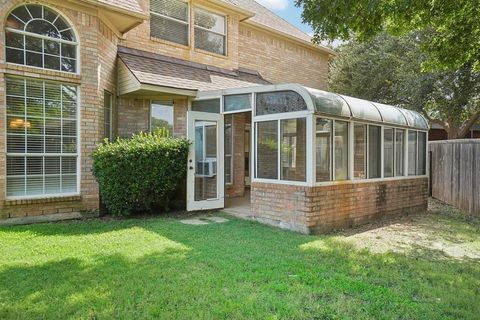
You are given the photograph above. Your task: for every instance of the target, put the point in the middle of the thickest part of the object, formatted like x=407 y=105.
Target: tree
x=388 y=69
x=454 y=25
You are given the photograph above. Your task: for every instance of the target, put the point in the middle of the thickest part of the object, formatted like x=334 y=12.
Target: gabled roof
x=269 y=19
x=140 y=68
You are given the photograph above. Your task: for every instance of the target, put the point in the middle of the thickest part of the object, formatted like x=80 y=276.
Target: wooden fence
x=455 y=173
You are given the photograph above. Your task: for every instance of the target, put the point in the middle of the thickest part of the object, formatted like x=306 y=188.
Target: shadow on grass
x=238 y=269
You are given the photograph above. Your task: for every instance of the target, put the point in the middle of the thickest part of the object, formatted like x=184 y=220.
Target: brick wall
x=336 y=206
x=97 y=56
x=280 y=60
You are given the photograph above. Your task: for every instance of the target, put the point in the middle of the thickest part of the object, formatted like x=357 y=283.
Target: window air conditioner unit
x=207 y=168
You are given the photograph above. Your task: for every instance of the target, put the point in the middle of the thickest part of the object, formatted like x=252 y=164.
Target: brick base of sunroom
x=336 y=206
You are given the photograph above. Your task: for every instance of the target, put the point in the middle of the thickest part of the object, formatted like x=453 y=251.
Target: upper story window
x=169 y=20
x=37 y=36
x=210 y=31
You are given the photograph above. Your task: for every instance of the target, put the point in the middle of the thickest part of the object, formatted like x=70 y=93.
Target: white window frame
x=43 y=37
x=159 y=102
x=187 y=23
x=26 y=154
x=224 y=35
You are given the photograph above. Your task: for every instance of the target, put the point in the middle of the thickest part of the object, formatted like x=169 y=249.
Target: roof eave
x=243 y=13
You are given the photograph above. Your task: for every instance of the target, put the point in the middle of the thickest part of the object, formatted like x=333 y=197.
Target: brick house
x=75 y=72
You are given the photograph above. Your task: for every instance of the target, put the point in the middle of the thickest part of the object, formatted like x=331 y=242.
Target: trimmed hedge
x=140 y=173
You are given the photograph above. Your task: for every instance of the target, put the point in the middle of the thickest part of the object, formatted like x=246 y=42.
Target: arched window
x=37 y=36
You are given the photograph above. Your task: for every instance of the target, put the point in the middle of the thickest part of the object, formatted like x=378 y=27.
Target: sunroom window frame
x=61 y=41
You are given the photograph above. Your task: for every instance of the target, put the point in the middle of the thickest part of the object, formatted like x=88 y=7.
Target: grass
x=161 y=268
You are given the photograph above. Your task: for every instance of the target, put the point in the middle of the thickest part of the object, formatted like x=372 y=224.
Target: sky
x=287 y=10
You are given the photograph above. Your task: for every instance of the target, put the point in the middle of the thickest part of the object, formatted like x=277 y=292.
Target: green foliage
x=455 y=25
x=388 y=69
x=140 y=173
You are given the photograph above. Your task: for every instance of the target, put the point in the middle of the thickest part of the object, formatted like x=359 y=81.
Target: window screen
x=279 y=102
x=360 y=151
x=422 y=153
x=399 y=147
x=412 y=153
x=41 y=137
x=169 y=20
x=293 y=149
x=374 y=151
x=39 y=37
x=388 y=152
x=210 y=105
x=228 y=149
x=323 y=146
x=267 y=149
x=341 y=150
x=210 y=31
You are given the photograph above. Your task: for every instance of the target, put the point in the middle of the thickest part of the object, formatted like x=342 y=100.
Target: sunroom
x=317 y=160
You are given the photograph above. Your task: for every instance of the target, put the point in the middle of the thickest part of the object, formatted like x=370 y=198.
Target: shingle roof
x=129 y=5
x=267 y=18
x=156 y=69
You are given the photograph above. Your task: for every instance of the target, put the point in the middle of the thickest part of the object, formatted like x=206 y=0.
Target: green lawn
x=161 y=268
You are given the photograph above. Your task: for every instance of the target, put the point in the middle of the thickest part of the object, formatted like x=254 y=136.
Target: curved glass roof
x=339 y=105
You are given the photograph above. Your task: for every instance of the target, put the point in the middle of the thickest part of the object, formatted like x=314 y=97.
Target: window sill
x=213 y=54
x=27 y=71
x=170 y=43
x=47 y=199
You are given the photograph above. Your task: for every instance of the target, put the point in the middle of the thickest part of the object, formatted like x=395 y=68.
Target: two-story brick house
x=75 y=72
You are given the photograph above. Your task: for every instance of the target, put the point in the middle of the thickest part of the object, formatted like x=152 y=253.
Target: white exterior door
x=205 y=177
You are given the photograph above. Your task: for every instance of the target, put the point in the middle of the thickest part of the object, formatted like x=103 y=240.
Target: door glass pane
x=205 y=160
x=374 y=152
x=399 y=146
x=322 y=149
x=360 y=151
x=267 y=150
x=293 y=152
x=341 y=150
x=388 y=152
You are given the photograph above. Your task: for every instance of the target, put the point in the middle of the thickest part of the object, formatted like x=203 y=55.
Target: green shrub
x=140 y=173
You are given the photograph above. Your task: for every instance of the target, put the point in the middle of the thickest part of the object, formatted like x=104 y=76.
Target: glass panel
x=211 y=105
x=237 y=102
x=14 y=40
x=360 y=151
x=15 y=56
x=388 y=149
x=415 y=119
x=169 y=30
x=363 y=109
x=279 y=102
x=31 y=130
x=329 y=103
x=172 y=8
x=34 y=59
x=412 y=153
x=42 y=27
x=374 y=152
x=293 y=150
x=22 y=14
x=322 y=149
x=209 y=41
x=422 y=153
x=341 y=150
x=210 y=21
x=205 y=160
x=107 y=115
x=267 y=150
x=228 y=148
x=33 y=44
x=162 y=116
x=391 y=114
x=399 y=147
